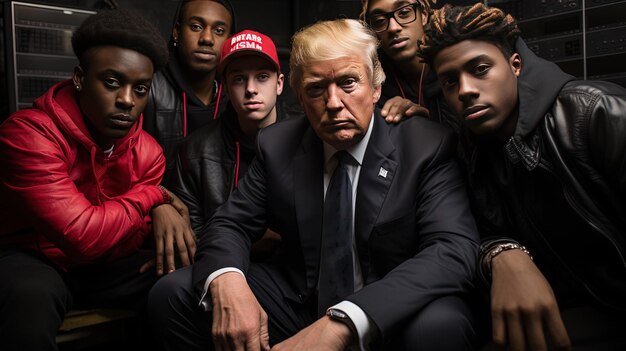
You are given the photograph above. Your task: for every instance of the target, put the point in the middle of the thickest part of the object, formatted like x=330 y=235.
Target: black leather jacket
x=164 y=116
x=559 y=183
x=210 y=163
x=173 y=111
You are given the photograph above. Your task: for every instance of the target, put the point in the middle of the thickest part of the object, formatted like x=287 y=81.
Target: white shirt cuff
x=361 y=322
x=205 y=304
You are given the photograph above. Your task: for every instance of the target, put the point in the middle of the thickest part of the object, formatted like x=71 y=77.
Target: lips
x=204 y=54
x=475 y=112
x=123 y=120
x=253 y=105
x=398 y=43
x=338 y=124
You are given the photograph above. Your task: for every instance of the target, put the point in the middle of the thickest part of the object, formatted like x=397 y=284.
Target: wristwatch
x=341 y=316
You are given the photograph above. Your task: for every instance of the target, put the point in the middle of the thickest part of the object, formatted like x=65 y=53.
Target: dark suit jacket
x=416 y=238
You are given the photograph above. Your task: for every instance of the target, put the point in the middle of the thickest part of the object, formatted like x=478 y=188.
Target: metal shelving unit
x=586 y=38
x=38 y=48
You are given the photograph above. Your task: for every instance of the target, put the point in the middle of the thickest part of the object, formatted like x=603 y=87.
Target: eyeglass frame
x=390 y=14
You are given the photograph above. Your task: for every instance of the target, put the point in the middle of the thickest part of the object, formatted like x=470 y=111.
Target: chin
x=203 y=67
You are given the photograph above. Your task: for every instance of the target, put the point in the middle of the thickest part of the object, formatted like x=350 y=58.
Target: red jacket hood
x=63 y=196
x=60 y=103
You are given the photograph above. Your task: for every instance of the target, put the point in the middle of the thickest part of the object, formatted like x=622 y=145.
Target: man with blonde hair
x=378 y=245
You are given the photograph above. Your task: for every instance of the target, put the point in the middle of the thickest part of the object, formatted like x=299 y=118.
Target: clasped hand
x=523 y=306
x=172 y=231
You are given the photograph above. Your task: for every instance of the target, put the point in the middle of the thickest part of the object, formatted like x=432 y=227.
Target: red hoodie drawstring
x=217 y=104
x=237 y=161
x=95 y=172
x=419 y=89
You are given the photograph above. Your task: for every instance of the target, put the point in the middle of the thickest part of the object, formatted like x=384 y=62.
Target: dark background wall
x=277 y=18
x=587 y=38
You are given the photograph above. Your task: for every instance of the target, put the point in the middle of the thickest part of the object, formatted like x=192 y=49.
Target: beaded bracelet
x=500 y=248
x=166 y=195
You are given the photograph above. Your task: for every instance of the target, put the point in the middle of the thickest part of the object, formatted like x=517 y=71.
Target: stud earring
x=175 y=42
x=77 y=87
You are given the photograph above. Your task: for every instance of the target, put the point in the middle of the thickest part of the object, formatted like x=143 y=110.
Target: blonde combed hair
x=329 y=40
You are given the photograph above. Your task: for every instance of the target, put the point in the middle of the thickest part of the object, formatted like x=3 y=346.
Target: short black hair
x=122 y=28
x=226 y=3
x=452 y=24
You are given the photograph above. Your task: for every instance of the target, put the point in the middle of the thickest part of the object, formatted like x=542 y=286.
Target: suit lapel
x=309 y=201
x=375 y=179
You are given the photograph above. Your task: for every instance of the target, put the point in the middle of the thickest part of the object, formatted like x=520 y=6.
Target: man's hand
x=171 y=226
x=239 y=322
x=323 y=335
x=397 y=108
x=523 y=306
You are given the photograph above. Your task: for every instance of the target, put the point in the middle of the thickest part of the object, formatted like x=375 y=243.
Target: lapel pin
x=382 y=172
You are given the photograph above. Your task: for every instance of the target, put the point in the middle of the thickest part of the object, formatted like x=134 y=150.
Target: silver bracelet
x=500 y=248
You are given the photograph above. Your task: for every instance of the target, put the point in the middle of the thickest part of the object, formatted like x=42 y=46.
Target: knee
x=43 y=292
x=170 y=292
x=32 y=309
x=444 y=324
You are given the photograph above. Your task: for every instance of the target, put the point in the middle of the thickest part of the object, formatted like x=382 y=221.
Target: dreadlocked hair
x=453 y=24
x=423 y=4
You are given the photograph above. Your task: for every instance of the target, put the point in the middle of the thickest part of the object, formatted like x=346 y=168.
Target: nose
x=125 y=99
x=467 y=89
x=394 y=26
x=251 y=88
x=333 y=98
x=206 y=37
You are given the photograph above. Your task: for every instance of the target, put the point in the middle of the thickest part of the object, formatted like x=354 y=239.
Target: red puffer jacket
x=61 y=195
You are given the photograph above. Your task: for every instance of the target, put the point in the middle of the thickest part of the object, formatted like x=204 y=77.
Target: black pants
x=34 y=296
x=179 y=323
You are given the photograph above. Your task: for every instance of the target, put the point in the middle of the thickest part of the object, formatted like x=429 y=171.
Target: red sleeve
x=34 y=159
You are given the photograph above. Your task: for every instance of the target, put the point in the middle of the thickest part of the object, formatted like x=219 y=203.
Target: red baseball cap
x=248 y=42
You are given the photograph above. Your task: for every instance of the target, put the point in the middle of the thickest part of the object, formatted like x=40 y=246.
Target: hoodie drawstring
x=419 y=89
x=96 y=176
x=217 y=104
x=237 y=161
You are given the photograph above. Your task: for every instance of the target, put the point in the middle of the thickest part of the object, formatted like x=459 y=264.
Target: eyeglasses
x=404 y=15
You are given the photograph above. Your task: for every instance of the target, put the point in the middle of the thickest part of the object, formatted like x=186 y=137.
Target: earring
x=77 y=87
x=175 y=42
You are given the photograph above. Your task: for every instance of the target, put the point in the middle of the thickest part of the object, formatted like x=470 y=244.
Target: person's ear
x=377 y=93
x=515 y=61
x=424 y=16
x=77 y=77
x=176 y=33
x=280 y=83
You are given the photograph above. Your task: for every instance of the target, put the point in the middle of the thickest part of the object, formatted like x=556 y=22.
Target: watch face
x=336 y=314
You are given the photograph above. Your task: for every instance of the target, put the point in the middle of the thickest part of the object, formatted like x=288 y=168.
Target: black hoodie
x=173 y=110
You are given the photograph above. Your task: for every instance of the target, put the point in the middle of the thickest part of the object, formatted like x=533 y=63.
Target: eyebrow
x=123 y=76
x=471 y=62
x=204 y=21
